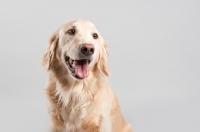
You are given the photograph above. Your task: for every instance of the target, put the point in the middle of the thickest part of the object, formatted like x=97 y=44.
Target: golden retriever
x=79 y=96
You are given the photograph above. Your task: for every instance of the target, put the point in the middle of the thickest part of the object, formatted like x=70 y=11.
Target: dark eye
x=95 y=36
x=71 y=31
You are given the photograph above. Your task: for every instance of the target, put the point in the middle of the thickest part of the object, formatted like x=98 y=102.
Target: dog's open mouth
x=79 y=68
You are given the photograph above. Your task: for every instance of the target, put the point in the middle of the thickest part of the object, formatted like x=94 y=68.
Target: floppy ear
x=102 y=62
x=50 y=51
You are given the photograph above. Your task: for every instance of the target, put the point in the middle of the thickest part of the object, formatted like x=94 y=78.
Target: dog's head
x=78 y=47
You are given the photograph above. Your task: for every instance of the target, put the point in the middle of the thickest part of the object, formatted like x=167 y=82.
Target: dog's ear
x=102 y=61
x=50 y=51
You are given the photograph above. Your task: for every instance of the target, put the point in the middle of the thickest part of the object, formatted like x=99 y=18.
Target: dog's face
x=80 y=47
x=79 y=44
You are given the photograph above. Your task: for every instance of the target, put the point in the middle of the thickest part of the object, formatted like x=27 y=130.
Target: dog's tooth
x=73 y=65
x=70 y=61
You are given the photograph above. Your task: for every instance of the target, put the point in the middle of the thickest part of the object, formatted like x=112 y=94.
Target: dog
x=78 y=92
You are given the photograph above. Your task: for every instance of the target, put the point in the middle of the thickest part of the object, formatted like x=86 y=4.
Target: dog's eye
x=71 y=31
x=95 y=36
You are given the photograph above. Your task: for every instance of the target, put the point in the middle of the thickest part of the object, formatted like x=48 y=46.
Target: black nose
x=87 y=49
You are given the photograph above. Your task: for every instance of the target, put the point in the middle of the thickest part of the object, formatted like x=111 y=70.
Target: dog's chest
x=72 y=119
x=74 y=109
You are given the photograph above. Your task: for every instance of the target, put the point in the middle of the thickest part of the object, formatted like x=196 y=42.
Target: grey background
x=154 y=50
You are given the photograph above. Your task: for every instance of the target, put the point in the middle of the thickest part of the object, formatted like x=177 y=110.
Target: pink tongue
x=82 y=69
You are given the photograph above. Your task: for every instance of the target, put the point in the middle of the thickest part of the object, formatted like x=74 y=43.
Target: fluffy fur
x=80 y=105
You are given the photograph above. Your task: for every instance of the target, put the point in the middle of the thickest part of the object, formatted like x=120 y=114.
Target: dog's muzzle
x=80 y=68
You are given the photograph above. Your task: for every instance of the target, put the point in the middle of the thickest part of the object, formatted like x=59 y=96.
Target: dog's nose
x=87 y=49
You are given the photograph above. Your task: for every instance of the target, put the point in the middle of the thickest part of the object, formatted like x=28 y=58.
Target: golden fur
x=86 y=105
